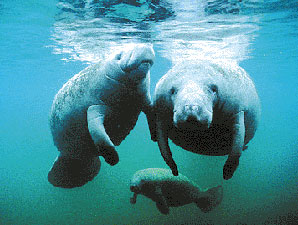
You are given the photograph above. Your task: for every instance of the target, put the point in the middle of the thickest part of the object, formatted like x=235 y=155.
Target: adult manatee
x=172 y=191
x=94 y=112
x=209 y=108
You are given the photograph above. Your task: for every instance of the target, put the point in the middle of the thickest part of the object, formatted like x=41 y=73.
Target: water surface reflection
x=89 y=30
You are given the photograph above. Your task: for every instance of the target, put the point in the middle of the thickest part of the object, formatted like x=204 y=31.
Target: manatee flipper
x=161 y=202
x=103 y=143
x=133 y=199
x=148 y=109
x=237 y=145
x=211 y=198
x=162 y=139
x=73 y=172
x=151 y=119
x=152 y=125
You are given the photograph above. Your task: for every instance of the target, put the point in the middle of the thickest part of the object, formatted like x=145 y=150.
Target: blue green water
x=44 y=43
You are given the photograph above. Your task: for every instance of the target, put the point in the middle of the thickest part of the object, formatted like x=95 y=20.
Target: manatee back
x=92 y=86
x=68 y=116
x=237 y=92
x=160 y=176
x=177 y=190
x=234 y=84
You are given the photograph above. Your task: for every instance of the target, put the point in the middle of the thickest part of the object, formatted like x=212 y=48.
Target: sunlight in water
x=188 y=30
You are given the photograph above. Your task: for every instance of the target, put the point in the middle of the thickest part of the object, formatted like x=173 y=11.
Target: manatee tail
x=69 y=173
x=211 y=198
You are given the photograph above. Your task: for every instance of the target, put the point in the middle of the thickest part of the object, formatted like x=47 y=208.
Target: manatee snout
x=193 y=108
x=192 y=117
x=139 y=57
x=135 y=184
x=134 y=188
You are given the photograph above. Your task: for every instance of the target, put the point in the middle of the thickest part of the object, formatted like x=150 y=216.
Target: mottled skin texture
x=172 y=191
x=209 y=108
x=94 y=112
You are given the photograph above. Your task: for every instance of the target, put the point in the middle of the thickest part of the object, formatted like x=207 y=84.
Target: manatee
x=172 y=191
x=95 y=110
x=206 y=107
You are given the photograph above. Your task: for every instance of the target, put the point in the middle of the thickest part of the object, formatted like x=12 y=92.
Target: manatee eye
x=213 y=88
x=173 y=91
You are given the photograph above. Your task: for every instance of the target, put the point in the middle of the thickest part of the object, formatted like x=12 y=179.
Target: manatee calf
x=94 y=112
x=172 y=191
x=209 y=108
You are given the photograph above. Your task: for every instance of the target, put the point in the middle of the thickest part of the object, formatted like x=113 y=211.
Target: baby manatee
x=167 y=190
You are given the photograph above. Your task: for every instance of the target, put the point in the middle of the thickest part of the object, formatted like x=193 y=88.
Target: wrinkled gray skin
x=209 y=108
x=167 y=190
x=94 y=112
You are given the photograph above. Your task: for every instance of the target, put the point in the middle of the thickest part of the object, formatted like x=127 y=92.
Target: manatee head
x=136 y=183
x=193 y=105
x=135 y=61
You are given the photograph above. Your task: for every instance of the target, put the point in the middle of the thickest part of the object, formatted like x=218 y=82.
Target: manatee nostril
x=191 y=108
x=187 y=108
x=195 y=107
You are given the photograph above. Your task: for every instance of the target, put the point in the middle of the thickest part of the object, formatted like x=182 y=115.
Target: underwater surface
x=44 y=43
